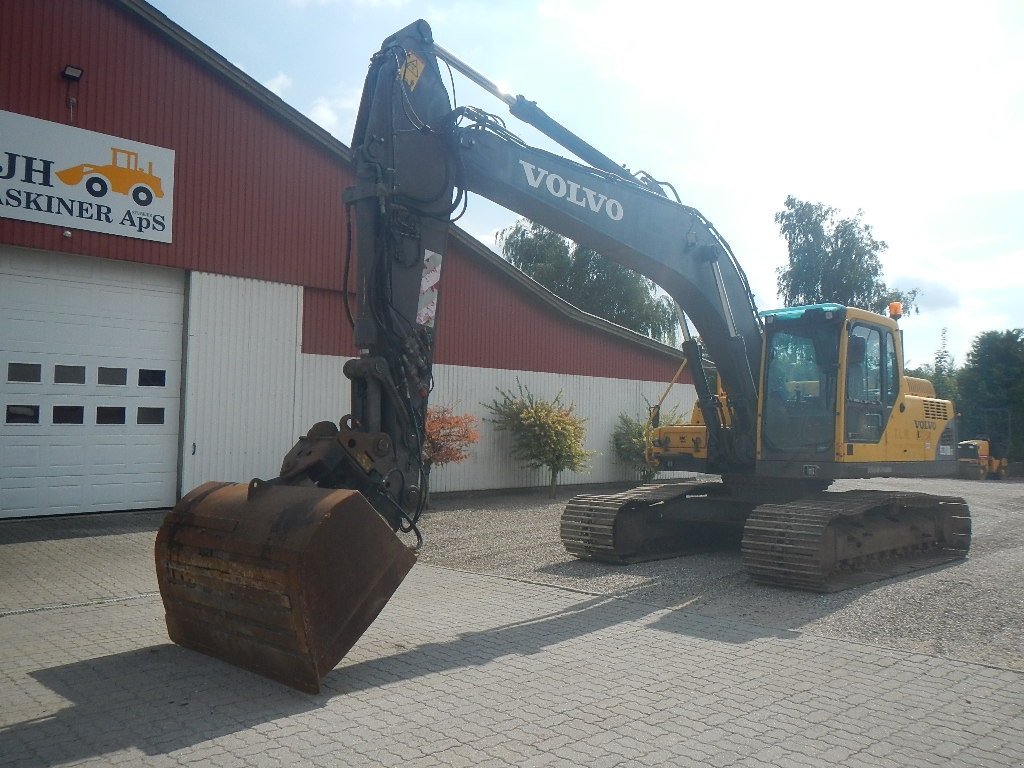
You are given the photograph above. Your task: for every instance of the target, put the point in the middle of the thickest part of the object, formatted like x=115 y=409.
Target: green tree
x=833 y=259
x=589 y=281
x=945 y=371
x=942 y=373
x=545 y=433
x=993 y=377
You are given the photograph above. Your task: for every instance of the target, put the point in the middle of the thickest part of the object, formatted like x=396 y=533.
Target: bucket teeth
x=279 y=580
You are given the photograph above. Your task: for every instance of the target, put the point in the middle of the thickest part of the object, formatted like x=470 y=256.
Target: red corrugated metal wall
x=252 y=196
x=325 y=326
x=488 y=321
x=485 y=320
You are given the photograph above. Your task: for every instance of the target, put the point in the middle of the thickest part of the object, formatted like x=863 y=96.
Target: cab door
x=871 y=383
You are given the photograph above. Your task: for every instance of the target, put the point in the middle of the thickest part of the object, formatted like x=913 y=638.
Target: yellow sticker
x=412 y=69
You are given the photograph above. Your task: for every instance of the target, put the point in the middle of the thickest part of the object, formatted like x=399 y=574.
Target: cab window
x=892 y=370
x=800 y=382
x=872 y=382
x=864 y=365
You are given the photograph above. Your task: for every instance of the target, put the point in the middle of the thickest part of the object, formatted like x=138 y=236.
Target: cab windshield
x=800 y=388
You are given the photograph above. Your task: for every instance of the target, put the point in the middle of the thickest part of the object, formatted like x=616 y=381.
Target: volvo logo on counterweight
x=571 y=191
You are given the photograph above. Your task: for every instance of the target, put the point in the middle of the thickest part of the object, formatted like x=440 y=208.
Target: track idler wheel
x=280 y=580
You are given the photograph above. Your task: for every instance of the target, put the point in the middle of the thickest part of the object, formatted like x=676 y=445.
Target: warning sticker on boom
x=412 y=69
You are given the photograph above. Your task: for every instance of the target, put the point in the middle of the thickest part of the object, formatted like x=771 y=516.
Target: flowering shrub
x=545 y=433
x=449 y=436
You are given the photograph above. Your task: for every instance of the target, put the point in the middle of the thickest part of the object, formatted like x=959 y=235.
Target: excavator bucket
x=280 y=580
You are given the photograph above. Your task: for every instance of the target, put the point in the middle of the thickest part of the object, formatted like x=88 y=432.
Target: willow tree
x=833 y=259
x=589 y=281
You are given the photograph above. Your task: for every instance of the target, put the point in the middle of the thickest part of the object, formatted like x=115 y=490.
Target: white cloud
x=824 y=95
x=325 y=114
x=279 y=83
x=934 y=294
x=336 y=114
x=911 y=112
x=364 y=3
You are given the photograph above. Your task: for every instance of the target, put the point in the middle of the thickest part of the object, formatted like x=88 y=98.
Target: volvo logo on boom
x=571 y=191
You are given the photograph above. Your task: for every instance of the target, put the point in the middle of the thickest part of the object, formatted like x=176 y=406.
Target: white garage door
x=90 y=368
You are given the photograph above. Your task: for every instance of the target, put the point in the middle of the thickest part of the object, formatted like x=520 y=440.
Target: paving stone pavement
x=464 y=669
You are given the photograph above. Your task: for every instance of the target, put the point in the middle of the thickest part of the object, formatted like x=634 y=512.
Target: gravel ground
x=972 y=610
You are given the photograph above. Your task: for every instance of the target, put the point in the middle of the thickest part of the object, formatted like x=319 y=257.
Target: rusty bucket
x=280 y=580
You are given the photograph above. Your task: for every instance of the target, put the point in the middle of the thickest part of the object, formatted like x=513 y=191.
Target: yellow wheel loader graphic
x=122 y=175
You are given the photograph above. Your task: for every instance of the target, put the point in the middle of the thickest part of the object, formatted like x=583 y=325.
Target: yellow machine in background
x=686 y=443
x=683 y=443
x=977 y=462
x=988 y=454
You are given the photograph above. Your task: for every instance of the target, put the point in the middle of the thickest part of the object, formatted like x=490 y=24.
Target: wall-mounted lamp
x=71 y=76
x=72 y=73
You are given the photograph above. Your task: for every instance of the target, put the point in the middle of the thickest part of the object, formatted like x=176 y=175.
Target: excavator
x=282 y=576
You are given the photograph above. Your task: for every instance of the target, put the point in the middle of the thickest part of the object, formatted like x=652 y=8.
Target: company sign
x=76 y=179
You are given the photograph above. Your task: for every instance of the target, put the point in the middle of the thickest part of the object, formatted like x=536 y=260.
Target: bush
x=545 y=433
x=630 y=439
x=448 y=436
x=628 y=443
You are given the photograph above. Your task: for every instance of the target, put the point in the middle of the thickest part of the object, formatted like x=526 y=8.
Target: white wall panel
x=250 y=393
x=240 y=377
x=322 y=392
x=598 y=400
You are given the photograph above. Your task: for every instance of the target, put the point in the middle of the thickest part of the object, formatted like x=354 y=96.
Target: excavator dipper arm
x=282 y=576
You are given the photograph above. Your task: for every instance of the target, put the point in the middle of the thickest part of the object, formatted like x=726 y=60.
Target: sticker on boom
x=412 y=69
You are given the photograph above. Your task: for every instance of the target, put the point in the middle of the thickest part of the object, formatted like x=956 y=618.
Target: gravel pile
x=972 y=610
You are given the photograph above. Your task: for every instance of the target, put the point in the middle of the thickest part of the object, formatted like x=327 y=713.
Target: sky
x=910 y=112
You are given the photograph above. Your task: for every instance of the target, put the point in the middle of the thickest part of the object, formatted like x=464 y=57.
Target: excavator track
x=653 y=521
x=832 y=541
